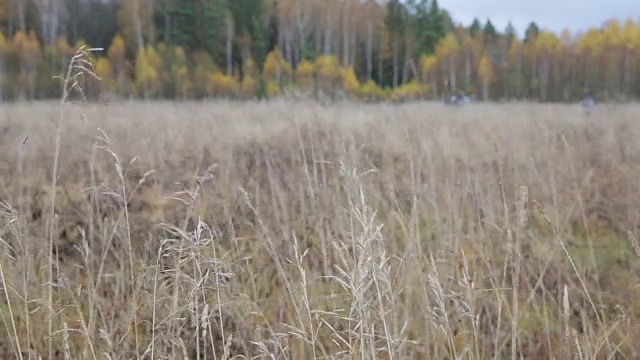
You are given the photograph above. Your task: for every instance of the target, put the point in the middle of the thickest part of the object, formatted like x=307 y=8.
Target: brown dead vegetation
x=253 y=232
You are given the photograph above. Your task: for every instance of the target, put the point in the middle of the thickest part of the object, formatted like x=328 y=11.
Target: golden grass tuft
x=292 y=230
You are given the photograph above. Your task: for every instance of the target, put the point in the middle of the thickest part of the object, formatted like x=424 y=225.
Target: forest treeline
x=363 y=49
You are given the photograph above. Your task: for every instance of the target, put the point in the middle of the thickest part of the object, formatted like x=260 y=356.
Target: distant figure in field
x=588 y=103
x=458 y=99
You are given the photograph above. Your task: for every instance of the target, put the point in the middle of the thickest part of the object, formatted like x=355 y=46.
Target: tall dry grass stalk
x=79 y=67
x=288 y=230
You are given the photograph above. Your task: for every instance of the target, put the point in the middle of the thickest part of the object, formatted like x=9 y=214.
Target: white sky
x=554 y=15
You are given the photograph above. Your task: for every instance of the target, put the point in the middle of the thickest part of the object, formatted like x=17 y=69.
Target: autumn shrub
x=329 y=74
x=250 y=68
x=429 y=73
x=148 y=72
x=276 y=70
x=104 y=71
x=351 y=82
x=223 y=85
x=248 y=87
x=202 y=69
x=175 y=72
x=371 y=92
x=410 y=91
x=272 y=88
x=305 y=75
x=28 y=50
x=120 y=70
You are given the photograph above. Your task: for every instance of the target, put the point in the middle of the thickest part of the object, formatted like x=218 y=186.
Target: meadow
x=296 y=230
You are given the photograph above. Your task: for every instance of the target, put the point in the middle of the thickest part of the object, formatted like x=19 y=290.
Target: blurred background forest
x=362 y=49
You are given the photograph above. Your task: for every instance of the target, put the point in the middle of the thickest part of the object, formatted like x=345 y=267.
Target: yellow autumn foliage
x=541 y=66
x=248 y=86
x=547 y=42
x=222 y=84
x=371 y=92
x=428 y=65
x=631 y=35
x=148 y=67
x=250 y=69
x=486 y=72
x=64 y=48
x=180 y=74
x=117 y=56
x=447 y=47
x=116 y=51
x=351 y=83
x=329 y=73
x=103 y=71
x=27 y=47
x=408 y=92
x=613 y=33
x=273 y=89
x=305 y=75
x=485 y=68
x=276 y=68
x=203 y=67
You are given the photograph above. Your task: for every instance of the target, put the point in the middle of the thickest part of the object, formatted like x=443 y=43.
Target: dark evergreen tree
x=532 y=32
x=252 y=30
x=396 y=23
x=428 y=25
x=84 y=25
x=396 y=18
x=510 y=33
x=199 y=25
x=490 y=33
x=163 y=19
x=475 y=27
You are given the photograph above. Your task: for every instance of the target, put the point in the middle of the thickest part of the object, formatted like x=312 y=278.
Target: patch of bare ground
x=293 y=230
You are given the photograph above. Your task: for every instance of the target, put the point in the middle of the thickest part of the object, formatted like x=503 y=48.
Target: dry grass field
x=293 y=230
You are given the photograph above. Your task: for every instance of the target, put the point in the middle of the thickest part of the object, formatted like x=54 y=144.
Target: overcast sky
x=555 y=15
